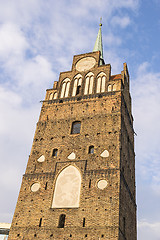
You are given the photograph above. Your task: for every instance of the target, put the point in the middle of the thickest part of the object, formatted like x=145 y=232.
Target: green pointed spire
x=98 y=44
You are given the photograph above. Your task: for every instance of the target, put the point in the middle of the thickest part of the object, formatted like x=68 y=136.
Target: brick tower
x=80 y=177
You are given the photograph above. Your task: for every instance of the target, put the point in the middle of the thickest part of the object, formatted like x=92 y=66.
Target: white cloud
x=145 y=92
x=148 y=230
x=13 y=41
x=123 y=22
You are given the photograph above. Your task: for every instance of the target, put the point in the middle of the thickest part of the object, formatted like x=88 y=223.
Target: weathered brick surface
x=106 y=123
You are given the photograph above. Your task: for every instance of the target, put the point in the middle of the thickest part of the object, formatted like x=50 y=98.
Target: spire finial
x=100 y=22
x=98 y=44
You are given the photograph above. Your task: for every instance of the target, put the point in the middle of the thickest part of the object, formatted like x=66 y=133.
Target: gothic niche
x=67 y=188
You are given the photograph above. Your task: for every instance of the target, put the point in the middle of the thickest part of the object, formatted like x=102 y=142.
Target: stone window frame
x=65 y=87
x=89 y=83
x=77 y=84
x=101 y=82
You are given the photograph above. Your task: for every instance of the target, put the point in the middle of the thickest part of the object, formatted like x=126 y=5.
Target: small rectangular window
x=55 y=152
x=91 y=149
x=76 y=127
x=61 y=221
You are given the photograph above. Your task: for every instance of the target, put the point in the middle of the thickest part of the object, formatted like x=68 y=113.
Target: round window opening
x=102 y=184
x=35 y=187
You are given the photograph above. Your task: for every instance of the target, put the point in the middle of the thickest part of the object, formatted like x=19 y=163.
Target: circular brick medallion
x=102 y=184
x=35 y=187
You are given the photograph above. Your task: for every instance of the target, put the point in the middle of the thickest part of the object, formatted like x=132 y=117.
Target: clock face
x=85 y=64
x=67 y=189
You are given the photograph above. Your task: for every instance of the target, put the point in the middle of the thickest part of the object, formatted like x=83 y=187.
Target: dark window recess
x=86 y=235
x=91 y=149
x=90 y=183
x=46 y=186
x=55 y=152
x=78 y=90
x=35 y=167
x=124 y=225
x=76 y=126
x=84 y=222
x=61 y=221
x=40 y=222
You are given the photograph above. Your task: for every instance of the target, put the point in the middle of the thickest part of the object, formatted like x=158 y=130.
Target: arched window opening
x=89 y=84
x=67 y=188
x=61 y=221
x=77 y=85
x=84 y=222
x=76 y=127
x=65 y=88
x=55 y=95
x=101 y=82
x=51 y=96
x=109 y=88
x=114 y=87
x=40 y=222
x=55 y=152
x=91 y=149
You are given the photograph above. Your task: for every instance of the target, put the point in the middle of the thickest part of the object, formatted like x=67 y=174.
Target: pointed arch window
x=91 y=149
x=67 y=188
x=89 y=83
x=65 y=88
x=101 y=82
x=109 y=88
x=114 y=87
x=77 y=85
x=55 y=95
x=50 y=96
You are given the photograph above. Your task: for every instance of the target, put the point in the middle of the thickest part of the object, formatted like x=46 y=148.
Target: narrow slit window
x=91 y=150
x=84 y=220
x=124 y=225
x=40 y=222
x=61 y=221
x=46 y=186
x=76 y=127
x=90 y=183
x=55 y=152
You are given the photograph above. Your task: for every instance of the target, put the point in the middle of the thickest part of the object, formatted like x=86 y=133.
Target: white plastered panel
x=67 y=188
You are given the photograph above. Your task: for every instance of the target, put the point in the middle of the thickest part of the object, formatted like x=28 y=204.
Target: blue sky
x=37 y=41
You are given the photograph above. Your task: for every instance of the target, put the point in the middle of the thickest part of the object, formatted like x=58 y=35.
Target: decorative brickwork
x=107 y=206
